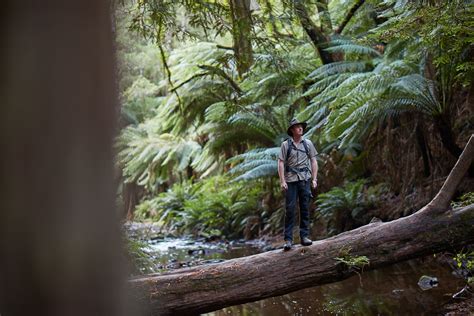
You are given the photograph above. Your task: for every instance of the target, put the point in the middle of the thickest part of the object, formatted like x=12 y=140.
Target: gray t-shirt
x=298 y=159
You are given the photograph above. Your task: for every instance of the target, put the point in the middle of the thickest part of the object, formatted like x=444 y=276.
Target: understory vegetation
x=208 y=89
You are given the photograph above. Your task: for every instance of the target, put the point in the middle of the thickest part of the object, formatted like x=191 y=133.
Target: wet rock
x=196 y=252
x=427 y=282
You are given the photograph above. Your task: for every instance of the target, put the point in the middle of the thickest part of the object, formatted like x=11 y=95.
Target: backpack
x=288 y=152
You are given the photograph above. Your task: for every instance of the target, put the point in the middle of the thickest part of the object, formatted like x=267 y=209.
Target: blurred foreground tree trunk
x=59 y=231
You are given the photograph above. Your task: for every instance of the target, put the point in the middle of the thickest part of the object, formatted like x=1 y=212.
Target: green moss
x=464 y=200
x=353 y=262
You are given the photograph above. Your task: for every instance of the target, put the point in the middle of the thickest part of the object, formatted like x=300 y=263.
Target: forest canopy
x=208 y=88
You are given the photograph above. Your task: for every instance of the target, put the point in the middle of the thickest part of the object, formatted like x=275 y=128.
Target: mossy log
x=434 y=228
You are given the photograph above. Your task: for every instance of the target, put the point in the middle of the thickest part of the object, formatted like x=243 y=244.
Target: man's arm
x=281 y=174
x=314 y=172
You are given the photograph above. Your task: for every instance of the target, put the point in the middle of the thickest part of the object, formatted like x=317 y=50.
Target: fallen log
x=432 y=229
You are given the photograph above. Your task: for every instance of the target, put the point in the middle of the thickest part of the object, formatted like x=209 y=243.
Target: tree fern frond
x=338 y=67
x=353 y=49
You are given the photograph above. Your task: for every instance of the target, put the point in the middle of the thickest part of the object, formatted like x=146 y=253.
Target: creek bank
x=170 y=252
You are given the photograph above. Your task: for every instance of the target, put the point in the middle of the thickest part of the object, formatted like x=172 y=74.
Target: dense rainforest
x=168 y=115
x=208 y=88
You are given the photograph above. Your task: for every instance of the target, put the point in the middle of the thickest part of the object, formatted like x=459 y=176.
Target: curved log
x=206 y=288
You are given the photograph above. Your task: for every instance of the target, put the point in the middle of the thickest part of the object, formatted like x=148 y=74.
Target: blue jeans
x=302 y=191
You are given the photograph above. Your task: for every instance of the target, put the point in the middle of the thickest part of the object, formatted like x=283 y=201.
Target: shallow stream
x=392 y=290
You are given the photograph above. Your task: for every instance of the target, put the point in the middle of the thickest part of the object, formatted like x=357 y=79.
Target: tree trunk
x=443 y=125
x=445 y=130
x=423 y=146
x=130 y=199
x=59 y=230
x=241 y=31
x=432 y=229
x=318 y=38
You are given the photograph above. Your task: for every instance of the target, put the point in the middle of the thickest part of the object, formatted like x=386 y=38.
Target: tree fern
x=360 y=93
x=254 y=164
x=145 y=157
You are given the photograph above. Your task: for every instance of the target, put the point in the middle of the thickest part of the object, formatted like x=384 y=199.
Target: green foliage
x=140 y=101
x=192 y=115
x=444 y=28
x=271 y=94
x=352 y=95
x=464 y=200
x=356 y=263
x=152 y=18
x=353 y=263
x=465 y=260
x=256 y=163
x=210 y=116
x=146 y=157
x=347 y=204
x=141 y=262
x=196 y=85
x=168 y=207
x=213 y=204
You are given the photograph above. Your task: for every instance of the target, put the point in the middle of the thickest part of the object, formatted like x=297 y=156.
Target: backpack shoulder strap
x=288 y=151
x=306 y=148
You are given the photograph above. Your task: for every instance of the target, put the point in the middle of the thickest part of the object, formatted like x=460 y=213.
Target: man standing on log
x=298 y=169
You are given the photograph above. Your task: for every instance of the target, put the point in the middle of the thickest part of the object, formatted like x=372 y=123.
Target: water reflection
x=392 y=290
x=174 y=253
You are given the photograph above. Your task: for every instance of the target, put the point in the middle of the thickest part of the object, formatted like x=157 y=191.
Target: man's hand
x=283 y=185
x=314 y=183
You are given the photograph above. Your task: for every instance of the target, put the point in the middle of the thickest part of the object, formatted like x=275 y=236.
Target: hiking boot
x=305 y=241
x=287 y=245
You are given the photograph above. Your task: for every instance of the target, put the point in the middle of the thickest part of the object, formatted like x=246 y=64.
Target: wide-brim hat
x=294 y=122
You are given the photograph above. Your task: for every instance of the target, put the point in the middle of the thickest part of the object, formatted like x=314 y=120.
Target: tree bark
x=318 y=38
x=130 y=199
x=424 y=149
x=241 y=31
x=202 y=289
x=445 y=130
